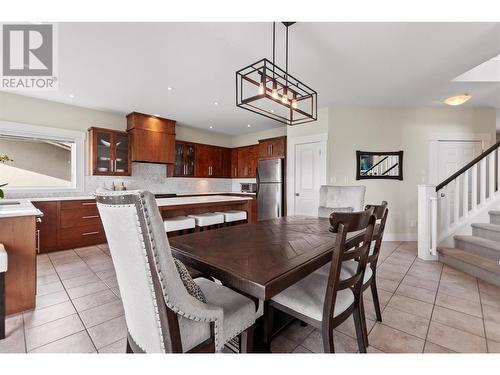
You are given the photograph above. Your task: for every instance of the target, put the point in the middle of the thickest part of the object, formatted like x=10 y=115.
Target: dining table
x=261 y=259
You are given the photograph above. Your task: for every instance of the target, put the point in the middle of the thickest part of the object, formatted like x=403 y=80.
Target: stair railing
x=443 y=208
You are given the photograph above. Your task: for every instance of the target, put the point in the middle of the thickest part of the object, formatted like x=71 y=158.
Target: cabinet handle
x=89 y=233
x=272 y=149
x=110 y=165
x=38 y=241
x=89 y=204
x=114 y=169
x=235 y=172
x=90 y=217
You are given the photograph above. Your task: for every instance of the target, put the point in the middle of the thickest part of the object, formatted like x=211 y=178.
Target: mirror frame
x=358 y=165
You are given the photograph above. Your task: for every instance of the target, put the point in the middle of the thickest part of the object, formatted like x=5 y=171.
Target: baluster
x=446 y=205
x=456 y=201
x=474 y=187
x=465 y=194
x=491 y=177
x=482 y=183
x=498 y=169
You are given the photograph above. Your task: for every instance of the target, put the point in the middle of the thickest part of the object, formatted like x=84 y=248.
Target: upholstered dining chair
x=164 y=313
x=326 y=300
x=340 y=199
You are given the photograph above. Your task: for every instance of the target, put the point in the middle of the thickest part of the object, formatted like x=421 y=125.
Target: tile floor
x=426 y=308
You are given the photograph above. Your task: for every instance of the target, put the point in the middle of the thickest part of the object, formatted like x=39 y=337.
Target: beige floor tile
x=46 y=272
x=301 y=349
x=493 y=346
x=14 y=335
x=492 y=330
x=411 y=306
x=106 y=274
x=420 y=282
x=456 y=319
x=43 y=289
x=491 y=300
x=108 y=332
x=77 y=343
x=383 y=296
x=390 y=267
x=102 y=313
x=425 y=274
x=84 y=290
x=296 y=332
x=119 y=346
x=94 y=300
x=68 y=259
x=61 y=254
x=459 y=304
x=491 y=313
x=103 y=266
x=406 y=322
x=456 y=290
x=414 y=292
x=116 y=292
x=372 y=350
x=455 y=339
x=55 y=330
x=80 y=280
x=433 y=348
x=488 y=288
x=349 y=329
x=48 y=314
x=51 y=299
x=281 y=344
x=391 y=340
x=387 y=285
x=342 y=343
x=47 y=279
x=103 y=247
x=387 y=274
x=88 y=251
x=111 y=282
x=398 y=261
x=73 y=266
x=70 y=274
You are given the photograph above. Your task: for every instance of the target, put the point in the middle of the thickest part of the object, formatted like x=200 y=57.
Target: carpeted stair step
x=486 y=230
x=494 y=216
x=479 y=246
x=472 y=264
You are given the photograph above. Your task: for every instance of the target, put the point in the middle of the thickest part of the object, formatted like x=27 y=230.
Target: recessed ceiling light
x=457 y=99
x=71 y=96
x=216 y=103
x=211 y=127
x=249 y=125
x=170 y=88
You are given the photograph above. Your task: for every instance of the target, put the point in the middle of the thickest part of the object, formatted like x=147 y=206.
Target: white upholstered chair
x=3 y=270
x=162 y=315
x=340 y=199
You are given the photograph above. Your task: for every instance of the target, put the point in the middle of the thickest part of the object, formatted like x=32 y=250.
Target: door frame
x=322 y=139
x=435 y=138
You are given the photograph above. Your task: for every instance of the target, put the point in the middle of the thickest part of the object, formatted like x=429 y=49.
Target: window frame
x=57 y=134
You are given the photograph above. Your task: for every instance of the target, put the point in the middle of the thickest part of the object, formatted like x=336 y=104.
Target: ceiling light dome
x=457 y=99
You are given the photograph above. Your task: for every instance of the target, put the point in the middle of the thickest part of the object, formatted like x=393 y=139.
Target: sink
x=11 y=203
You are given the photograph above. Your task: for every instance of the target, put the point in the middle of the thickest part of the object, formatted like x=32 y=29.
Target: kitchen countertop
x=85 y=197
x=9 y=208
x=198 y=200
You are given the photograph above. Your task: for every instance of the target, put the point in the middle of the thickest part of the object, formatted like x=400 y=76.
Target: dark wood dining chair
x=326 y=300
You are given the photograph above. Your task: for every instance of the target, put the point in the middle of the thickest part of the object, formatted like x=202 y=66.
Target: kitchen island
x=18 y=235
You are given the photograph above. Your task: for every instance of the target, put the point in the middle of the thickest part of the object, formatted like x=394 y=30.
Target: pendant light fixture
x=268 y=90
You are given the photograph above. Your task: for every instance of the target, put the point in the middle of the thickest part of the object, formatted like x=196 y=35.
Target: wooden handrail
x=467 y=166
x=373 y=166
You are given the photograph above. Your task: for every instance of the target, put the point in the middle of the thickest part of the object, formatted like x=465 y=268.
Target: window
x=40 y=158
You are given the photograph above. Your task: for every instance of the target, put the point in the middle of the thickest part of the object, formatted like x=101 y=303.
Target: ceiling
x=127 y=67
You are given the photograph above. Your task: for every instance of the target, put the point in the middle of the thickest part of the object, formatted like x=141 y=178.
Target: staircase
x=459 y=219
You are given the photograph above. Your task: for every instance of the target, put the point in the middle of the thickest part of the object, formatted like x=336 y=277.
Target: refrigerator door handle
x=258 y=182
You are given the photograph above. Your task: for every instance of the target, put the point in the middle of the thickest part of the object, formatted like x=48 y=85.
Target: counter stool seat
x=207 y=219
x=3 y=269
x=233 y=215
x=176 y=223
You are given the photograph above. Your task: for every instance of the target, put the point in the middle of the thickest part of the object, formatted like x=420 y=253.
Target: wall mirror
x=380 y=165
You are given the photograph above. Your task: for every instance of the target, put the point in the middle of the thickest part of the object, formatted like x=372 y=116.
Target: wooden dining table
x=261 y=259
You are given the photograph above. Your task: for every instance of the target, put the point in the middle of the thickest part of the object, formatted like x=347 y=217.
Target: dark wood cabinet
x=184 y=159
x=69 y=224
x=234 y=163
x=272 y=148
x=153 y=138
x=109 y=152
x=247 y=162
x=212 y=161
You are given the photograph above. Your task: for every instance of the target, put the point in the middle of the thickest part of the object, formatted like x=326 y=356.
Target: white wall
x=253 y=138
x=366 y=129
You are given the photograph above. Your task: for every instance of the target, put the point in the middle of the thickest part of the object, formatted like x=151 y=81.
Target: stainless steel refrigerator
x=270 y=189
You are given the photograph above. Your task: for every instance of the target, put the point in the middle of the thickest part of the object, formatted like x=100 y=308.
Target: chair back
x=380 y=211
x=340 y=199
x=345 y=224
x=150 y=286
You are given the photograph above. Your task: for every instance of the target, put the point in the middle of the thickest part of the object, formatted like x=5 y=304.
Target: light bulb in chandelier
x=274 y=92
x=294 y=103
x=284 y=99
x=261 y=89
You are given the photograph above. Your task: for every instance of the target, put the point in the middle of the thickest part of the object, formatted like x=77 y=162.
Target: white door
x=452 y=156
x=308 y=166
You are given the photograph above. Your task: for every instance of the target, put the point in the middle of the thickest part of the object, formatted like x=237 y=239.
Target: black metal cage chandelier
x=266 y=89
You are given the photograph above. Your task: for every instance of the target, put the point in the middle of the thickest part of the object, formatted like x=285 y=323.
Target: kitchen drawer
x=78 y=204
x=80 y=217
x=81 y=236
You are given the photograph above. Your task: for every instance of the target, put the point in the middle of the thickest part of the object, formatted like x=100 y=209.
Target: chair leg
x=363 y=319
x=2 y=305
x=268 y=322
x=328 y=345
x=246 y=340
x=129 y=348
x=359 y=329
x=376 y=302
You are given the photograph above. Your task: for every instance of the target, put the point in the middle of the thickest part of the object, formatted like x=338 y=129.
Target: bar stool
x=3 y=270
x=231 y=217
x=179 y=224
x=208 y=220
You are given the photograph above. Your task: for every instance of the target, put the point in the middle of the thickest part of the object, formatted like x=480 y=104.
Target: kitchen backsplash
x=150 y=177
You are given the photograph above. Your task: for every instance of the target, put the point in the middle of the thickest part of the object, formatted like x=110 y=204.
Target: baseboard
x=400 y=236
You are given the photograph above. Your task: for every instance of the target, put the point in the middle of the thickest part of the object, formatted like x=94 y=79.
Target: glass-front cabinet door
x=189 y=152
x=109 y=152
x=103 y=147
x=179 y=167
x=121 y=155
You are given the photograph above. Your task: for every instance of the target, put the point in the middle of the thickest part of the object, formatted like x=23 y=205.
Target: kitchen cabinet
x=234 y=162
x=153 y=138
x=184 y=159
x=272 y=148
x=47 y=228
x=212 y=161
x=109 y=152
x=247 y=162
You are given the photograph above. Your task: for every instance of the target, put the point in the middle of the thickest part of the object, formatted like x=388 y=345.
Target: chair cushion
x=233 y=215
x=348 y=270
x=191 y=287
x=239 y=314
x=209 y=218
x=178 y=223
x=3 y=259
x=308 y=295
